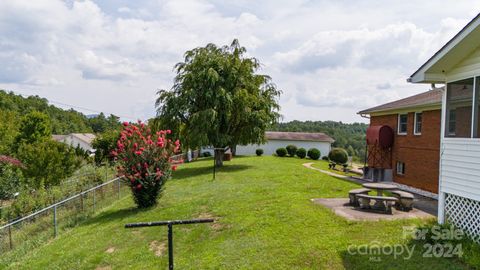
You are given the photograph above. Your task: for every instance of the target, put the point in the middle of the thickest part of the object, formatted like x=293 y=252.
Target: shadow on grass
x=185 y=173
x=113 y=215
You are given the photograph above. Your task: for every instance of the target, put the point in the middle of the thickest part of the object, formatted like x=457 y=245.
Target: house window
x=452 y=121
x=418 y=123
x=400 y=168
x=459 y=109
x=402 y=123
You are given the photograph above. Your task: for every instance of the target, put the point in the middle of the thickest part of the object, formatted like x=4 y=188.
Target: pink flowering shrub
x=12 y=161
x=145 y=160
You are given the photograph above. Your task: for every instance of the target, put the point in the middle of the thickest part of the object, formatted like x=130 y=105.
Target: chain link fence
x=32 y=230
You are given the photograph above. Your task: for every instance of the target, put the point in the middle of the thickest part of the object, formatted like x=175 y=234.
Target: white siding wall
x=459 y=189
x=73 y=141
x=460 y=169
x=466 y=68
x=272 y=145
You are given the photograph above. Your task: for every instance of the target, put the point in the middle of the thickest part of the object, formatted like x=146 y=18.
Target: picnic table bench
x=352 y=195
x=382 y=203
x=405 y=200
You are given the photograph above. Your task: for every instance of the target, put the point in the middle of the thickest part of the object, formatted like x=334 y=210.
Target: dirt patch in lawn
x=108 y=267
x=215 y=225
x=158 y=248
x=110 y=250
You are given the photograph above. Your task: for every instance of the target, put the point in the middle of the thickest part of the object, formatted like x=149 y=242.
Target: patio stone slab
x=341 y=208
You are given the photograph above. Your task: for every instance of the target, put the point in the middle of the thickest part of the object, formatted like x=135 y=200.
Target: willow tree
x=218 y=99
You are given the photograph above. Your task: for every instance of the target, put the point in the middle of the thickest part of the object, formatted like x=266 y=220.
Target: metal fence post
x=55 y=228
x=170 y=246
x=118 y=181
x=94 y=201
x=81 y=200
x=10 y=236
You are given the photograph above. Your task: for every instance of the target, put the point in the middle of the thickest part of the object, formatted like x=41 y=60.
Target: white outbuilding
x=276 y=139
x=83 y=140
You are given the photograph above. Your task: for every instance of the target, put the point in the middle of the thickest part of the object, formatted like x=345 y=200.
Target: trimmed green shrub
x=313 y=153
x=206 y=154
x=301 y=152
x=291 y=149
x=325 y=158
x=259 y=152
x=281 y=152
x=338 y=155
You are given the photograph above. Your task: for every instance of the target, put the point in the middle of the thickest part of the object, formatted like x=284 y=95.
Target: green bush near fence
x=29 y=200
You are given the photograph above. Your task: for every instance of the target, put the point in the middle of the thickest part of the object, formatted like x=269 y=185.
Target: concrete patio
x=341 y=207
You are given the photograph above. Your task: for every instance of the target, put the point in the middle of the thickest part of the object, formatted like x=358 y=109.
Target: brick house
x=413 y=158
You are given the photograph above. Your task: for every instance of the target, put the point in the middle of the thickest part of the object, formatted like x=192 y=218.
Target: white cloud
x=324 y=55
x=95 y=67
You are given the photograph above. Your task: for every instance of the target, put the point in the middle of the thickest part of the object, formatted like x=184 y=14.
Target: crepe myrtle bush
x=259 y=152
x=301 y=152
x=281 y=152
x=291 y=149
x=145 y=160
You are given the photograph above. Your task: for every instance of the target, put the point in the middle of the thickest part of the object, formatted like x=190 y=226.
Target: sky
x=331 y=59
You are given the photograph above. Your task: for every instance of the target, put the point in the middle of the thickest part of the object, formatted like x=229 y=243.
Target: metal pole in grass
x=214 y=165
x=94 y=200
x=118 y=188
x=81 y=200
x=55 y=228
x=169 y=224
x=10 y=237
x=215 y=158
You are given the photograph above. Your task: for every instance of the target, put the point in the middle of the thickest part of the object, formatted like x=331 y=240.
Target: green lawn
x=265 y=221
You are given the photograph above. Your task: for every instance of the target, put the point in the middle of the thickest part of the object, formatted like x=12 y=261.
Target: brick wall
x=420 y=153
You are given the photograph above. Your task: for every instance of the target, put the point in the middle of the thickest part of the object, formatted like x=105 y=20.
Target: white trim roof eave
x=427 y=72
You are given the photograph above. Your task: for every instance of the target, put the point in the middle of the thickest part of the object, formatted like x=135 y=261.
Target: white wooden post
x=443 y=125
x=441 y=207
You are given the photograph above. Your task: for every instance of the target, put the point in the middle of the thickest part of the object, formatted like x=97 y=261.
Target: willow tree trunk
x=233 y=149
x=219 y=153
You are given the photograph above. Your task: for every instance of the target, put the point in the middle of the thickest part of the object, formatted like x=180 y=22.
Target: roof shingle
x=298 y=136
x=430 y=97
